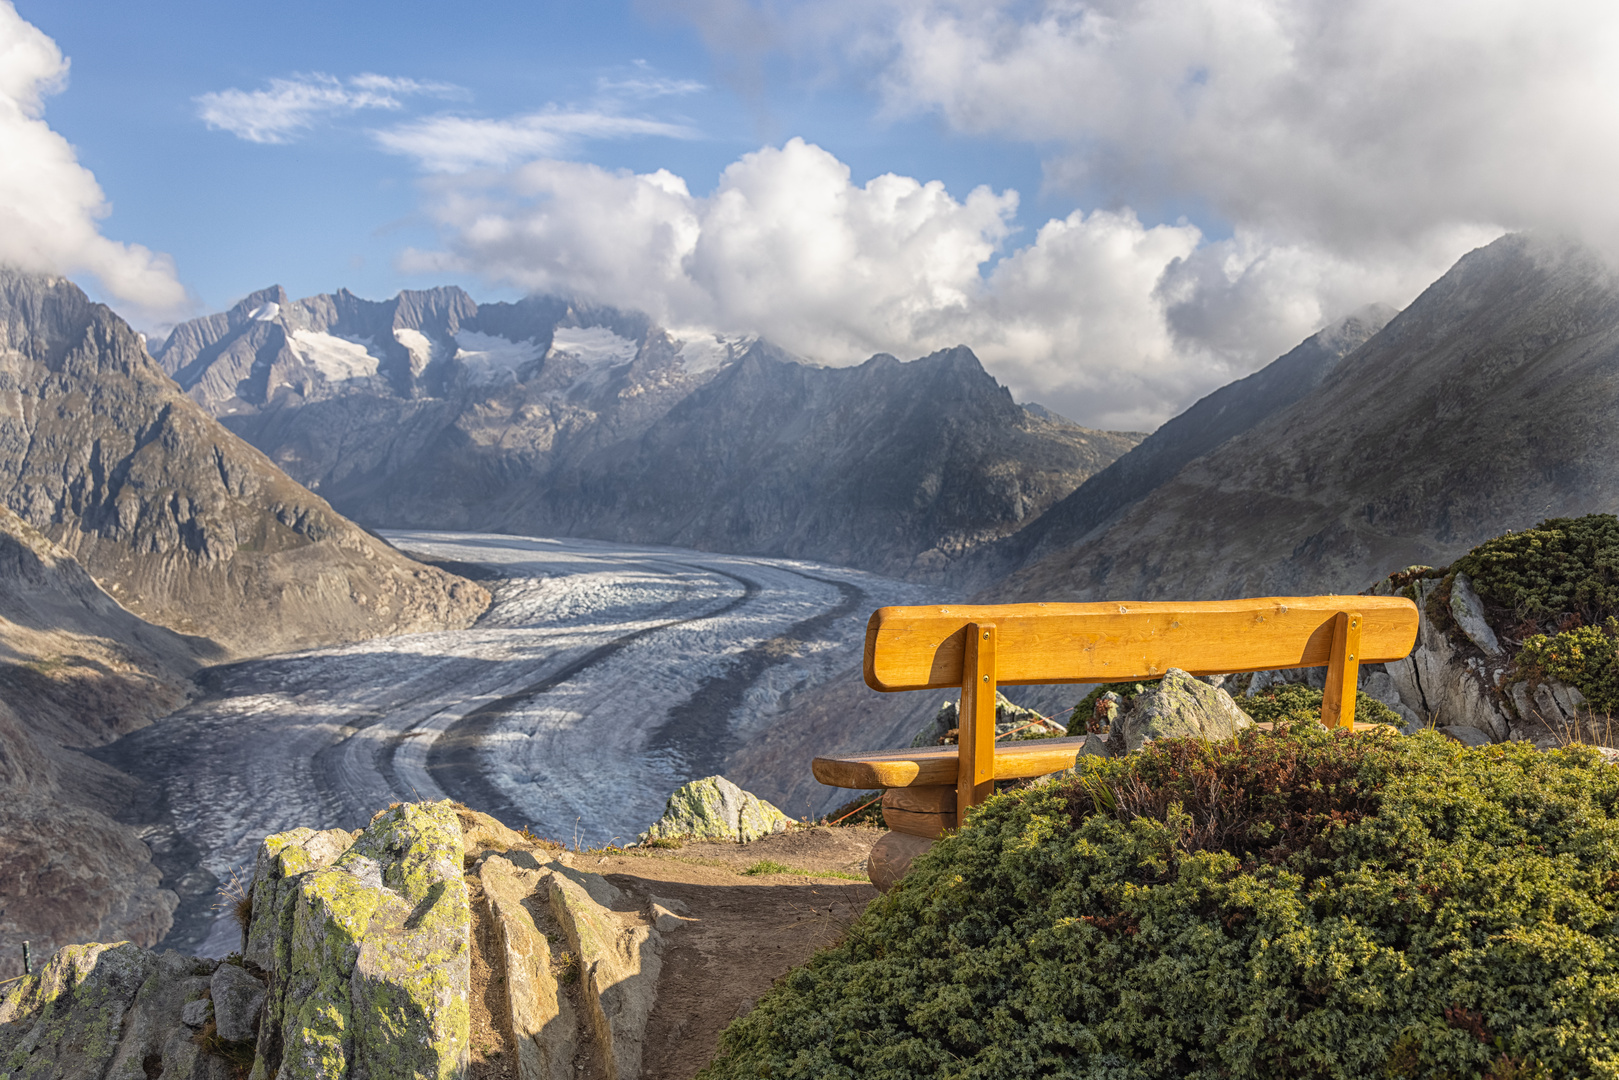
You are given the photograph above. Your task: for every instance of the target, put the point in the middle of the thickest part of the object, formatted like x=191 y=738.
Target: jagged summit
x=556 y=417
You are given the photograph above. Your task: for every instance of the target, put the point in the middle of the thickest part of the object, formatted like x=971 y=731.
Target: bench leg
x=975 y=776
x=1343 y=672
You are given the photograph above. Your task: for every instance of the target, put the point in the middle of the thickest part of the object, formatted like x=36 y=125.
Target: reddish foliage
x=1467 y=1020
x=1262 y=797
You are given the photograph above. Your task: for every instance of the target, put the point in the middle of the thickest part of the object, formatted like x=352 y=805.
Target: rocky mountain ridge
x=1487 y=404
x=184 y=523
x=555 y=418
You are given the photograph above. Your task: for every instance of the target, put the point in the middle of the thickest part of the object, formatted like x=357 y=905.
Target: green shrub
x=1291 y=904
x=1561 y=566
x=1295 y=703
x=1586 y=658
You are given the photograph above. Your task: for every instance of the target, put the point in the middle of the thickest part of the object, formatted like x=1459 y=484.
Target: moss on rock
x=713 y=808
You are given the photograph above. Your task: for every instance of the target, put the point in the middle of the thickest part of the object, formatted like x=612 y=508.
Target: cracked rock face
x=107 y=1010
x=376 y=965
x=1178 y=706
x=713 y=808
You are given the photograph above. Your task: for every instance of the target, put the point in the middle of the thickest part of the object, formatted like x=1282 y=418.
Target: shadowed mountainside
x=1486 y=405
x=182 y=522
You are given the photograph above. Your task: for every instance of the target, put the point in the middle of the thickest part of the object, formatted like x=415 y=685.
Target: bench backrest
x=979 y=647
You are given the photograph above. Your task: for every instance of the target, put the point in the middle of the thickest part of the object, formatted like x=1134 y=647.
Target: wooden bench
x=979 y=648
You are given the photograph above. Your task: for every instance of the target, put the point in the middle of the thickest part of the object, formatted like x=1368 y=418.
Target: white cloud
x=645 y=83
x=49 y=203
x=1340 y=151
x=292 y=105
x=787 y=246
x=455 y=143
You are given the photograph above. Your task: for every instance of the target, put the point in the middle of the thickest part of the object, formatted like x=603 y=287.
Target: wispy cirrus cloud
x=457 y=143
x=645 y=83
x=278 y=113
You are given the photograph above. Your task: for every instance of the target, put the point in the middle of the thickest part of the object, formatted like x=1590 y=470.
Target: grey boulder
x=1178 y=706
x=238 y=1000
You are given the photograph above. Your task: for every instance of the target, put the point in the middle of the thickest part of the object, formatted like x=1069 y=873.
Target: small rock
x=238 y=1000
x=713 y=808
x=195 y=1013
x=1468 y=611
x=1179 y=705
x=664 y=919
x=1467 y=736
x=1007 y=717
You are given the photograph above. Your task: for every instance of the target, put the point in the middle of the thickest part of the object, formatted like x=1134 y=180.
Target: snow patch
x=265 y=312
x=423 y=349
x=486 y=358
x=702 y=350
x=334 y=357
x=596 y=346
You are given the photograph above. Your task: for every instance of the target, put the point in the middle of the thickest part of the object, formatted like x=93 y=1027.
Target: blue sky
x=1119 y=205
x=327 y=210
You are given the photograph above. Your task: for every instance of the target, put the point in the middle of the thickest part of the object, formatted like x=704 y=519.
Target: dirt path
x=740 y=932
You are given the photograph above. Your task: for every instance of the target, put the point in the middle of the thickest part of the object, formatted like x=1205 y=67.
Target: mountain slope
x=1227 y=412
x=1488 y=404
x=76 y=670
x=184 y=523
x=549 y=417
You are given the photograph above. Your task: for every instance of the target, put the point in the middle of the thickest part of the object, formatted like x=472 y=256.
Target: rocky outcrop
x=184 y=524
x=1426 y=440
x=713 y=808
x=1180 y=706
x=355 y=964
x=110 y=1010
x=369 y=956
x=561 y=419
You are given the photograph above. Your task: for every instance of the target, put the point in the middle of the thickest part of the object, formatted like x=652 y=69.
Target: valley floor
x=602 y=677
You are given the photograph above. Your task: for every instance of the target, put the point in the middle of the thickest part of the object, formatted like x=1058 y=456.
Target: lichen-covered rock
x=111 y=1011
x=1178 y=706
x=713 y=808
x=1468 y=611
x=1008 y=718
x=377 y=972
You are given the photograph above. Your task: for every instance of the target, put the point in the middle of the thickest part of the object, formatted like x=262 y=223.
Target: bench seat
x=922 y=767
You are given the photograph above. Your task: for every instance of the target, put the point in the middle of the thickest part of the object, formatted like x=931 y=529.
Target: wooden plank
x=924 y=648
x=975 y=738
x=936 y=799
x=936 y=766
x=912 y=823
x=1343 y=672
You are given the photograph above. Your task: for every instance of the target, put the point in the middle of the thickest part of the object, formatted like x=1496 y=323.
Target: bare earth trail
x=602 y=677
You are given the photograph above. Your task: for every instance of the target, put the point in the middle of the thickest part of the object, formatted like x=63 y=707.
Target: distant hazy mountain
x=186 y=525
x=548 y=417
x=1228 y=411
x=1487 y=405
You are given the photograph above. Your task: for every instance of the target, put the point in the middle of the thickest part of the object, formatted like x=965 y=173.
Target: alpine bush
x=1296 y=903
x=1297 y=703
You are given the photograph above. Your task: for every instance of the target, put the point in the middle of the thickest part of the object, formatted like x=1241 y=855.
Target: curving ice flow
x=602 y=677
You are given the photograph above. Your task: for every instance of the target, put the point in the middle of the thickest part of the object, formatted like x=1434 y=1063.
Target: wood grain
x=1343 y=672
x=975 y=736
x=912 y=823
x=924 y=648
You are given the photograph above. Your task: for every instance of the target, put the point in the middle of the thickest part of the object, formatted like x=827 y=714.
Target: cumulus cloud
x=456 y=143
x=289 y=106
x=1336 y=151
x=50 y=204
x=789 y=247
